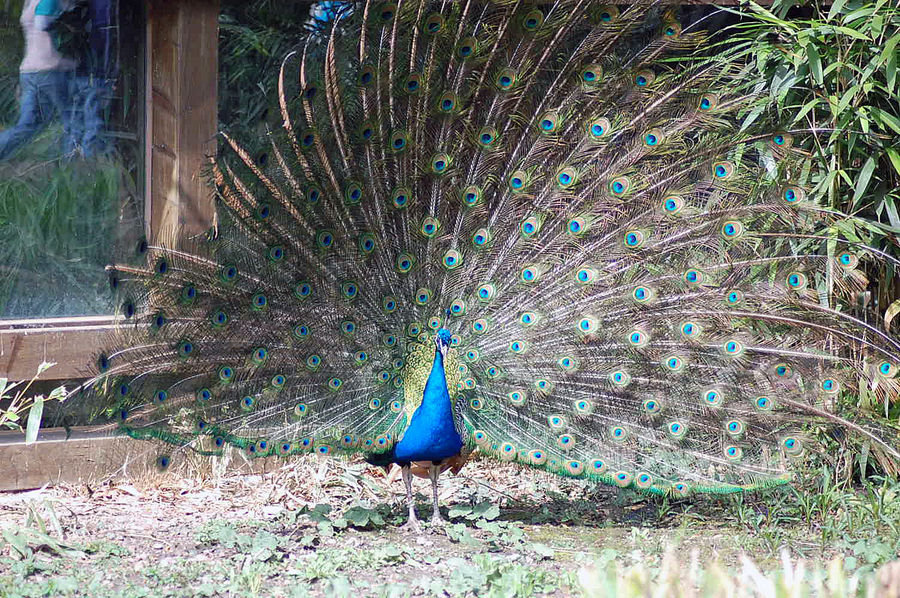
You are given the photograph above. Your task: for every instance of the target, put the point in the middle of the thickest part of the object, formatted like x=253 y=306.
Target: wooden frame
x=68 y=342
x=73 y=456
x=88 y=454
x=181 y=100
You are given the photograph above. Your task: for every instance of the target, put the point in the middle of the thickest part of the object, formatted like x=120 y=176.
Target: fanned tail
x=640 y=291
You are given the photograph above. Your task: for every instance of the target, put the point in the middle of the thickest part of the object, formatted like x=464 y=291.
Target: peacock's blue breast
x=428 y=439
x=431 y=434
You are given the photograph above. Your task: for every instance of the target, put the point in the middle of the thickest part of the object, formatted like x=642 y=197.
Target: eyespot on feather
x=532 y=20
x=708 y=102
x=505 y=79
x=598 y=128
x=605 y=14
x=644 y=78
x=467 y=47
x=781 y=140
x=433 y=24
x=671 y=29
x=591 y=75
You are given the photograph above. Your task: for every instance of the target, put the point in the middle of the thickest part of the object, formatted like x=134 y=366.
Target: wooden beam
x=71 y=343
x=90 y=454
x=85 y=457
x=199 y=110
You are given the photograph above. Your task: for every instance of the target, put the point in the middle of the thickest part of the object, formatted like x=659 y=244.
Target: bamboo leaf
x=835 y=9
x=815 y=63
x=889 y=58
x=798 y=116
x=765 y=15
x=885 y=118
x=859 y=14
x=852 y=33
x=865 y=175
x=833 y=105
x=894 y=156
x=891 y=209
x=863 y=117
x=879 y=228
x=877 y=24
x=847 y=98
x=754 y=114
x=34 y=420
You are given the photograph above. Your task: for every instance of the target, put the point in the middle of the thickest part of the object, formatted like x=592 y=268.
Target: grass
x=61 y=223
x=330 y=528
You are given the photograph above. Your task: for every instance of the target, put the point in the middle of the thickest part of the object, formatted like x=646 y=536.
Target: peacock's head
x=442 y=341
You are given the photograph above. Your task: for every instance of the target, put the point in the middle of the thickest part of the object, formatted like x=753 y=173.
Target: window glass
x=71 y=151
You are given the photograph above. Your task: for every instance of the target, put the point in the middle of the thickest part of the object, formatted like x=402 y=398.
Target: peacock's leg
x=412 y=523
x=433 y=472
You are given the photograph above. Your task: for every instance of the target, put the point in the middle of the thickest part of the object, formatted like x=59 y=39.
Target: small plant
x=609 y=577
x=11 y=415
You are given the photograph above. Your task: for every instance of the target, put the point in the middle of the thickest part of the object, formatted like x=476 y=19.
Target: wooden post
x=182 y=84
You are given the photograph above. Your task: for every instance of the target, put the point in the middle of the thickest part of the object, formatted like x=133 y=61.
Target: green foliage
x=835 y=72
x=254 y=38
x=17 y=404
x=862 y=523
x=485 y=509
x=23 y=543
x=259 y=546
x=484 y=575
x=832 y=70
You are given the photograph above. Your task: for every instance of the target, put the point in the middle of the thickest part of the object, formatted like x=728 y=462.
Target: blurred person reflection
x=45 y=79
x=95 y=77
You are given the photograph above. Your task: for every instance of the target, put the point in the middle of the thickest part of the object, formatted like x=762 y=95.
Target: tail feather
x=640 y=287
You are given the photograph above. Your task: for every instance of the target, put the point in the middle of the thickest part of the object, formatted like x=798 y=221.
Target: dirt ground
x=321 y=527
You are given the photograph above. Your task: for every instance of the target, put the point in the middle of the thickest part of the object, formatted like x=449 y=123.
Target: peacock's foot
x=411 y=525
x=437 y=523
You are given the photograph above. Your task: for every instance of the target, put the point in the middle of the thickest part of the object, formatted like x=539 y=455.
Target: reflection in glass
x=70 y=151
x=45 y=80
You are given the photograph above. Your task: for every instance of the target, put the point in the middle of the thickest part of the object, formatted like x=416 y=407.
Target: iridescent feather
x=639 y=292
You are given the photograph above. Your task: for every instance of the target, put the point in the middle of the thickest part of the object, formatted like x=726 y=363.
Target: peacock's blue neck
x=431 y=434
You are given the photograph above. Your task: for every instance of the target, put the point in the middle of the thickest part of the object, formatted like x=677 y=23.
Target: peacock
x=545 y=232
